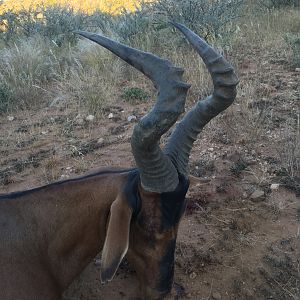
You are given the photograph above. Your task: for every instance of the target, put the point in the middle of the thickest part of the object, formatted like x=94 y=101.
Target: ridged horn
x=224 y=80
x=157 y=172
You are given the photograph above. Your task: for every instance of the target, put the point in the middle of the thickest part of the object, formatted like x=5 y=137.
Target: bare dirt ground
x=239 y=239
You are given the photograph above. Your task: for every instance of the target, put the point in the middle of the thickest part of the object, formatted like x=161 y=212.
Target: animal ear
x=117 y=239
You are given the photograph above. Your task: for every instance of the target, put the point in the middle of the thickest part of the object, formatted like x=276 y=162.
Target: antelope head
x=144 y=218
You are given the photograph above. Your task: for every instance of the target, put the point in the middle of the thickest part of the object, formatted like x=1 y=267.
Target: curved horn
x=157 y=172
x=224 y=79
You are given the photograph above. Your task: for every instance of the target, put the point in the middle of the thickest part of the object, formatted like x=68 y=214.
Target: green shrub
x=129 y=25
x=209 y=18
x=57 y=24
x=135 y=95
x=5 y=97
x=281 y=3
x=294 y=41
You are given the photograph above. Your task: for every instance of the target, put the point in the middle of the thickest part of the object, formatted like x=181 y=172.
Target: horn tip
x=177 y=25
x=80 y=32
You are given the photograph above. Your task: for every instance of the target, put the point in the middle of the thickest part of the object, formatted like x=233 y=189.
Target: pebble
x=100 y=141
x=245 y=195
x=79 y=121
x=90 y=118
x=193 y=275
x=297 y=69
x=111 y=115
x=257 y=196
x=10 y=118
x=275 y=186
x=97 y=262
x=131 y=118
x=216 y=296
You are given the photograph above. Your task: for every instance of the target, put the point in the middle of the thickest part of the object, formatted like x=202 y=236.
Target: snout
x=153 y=294
x=158 y=286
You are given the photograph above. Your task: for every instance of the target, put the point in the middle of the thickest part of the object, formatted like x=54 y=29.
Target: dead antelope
x=49 y=234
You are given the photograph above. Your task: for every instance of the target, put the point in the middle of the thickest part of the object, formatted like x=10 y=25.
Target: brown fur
x=48 y=235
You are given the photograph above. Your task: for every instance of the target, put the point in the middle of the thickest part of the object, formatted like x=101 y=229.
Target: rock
x=100 y=141
x=97 y=262
x=131 y=118
x=90 y=118
x=297 y=69
x=216 y=296
x=79 y=121
x=10 y=118
x=257 y=196
x=275 y=186
x=111 y=115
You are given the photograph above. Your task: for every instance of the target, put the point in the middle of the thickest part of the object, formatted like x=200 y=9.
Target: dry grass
x=37 y=72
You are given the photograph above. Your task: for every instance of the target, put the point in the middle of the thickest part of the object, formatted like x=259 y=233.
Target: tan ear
x=117 y=238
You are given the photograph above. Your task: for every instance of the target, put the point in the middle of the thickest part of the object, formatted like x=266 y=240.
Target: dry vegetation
x=110 y=6
x=240 y=237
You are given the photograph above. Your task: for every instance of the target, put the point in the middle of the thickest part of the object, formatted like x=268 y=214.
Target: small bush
x=54 y=22
x=5 y=97
x=294 y=42
x=281 y=3
x=134 y=95
x=129 y=25
x=209 y=18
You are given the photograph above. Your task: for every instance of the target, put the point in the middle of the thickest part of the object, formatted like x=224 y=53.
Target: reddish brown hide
x=49 y=234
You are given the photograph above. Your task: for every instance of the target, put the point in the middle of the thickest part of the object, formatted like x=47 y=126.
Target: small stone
x=79 y=121
x=216 y=296
x=257 y=196
x=131 y=118
x=100 y=141
x=275 y=186
x=193 y=275
x=111 y=115
x=90 y=118
x=97 y=262
x=245 y=195
x=44 y=132
x=10 y=118
x=297 y=69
